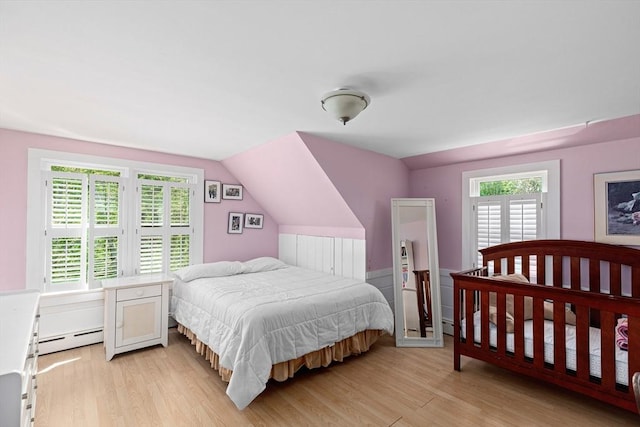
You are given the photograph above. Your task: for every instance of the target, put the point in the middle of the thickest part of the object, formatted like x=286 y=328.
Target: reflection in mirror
x=416 y=275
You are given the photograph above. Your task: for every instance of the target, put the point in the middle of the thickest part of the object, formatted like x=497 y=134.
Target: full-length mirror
x=415 y=273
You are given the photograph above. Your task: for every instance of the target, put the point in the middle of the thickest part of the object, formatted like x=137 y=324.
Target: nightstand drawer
x=138 y=292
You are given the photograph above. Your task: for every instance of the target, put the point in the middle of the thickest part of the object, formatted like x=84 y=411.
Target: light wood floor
x=174 y=386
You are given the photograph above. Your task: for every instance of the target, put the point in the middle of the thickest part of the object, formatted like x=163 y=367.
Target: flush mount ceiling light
x=345 y=104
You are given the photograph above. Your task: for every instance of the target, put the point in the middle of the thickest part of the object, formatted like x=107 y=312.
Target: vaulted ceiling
x=213 y=79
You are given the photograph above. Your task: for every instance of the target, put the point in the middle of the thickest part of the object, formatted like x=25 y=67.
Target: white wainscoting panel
x=333 y=255
x=446 y=294
x=287 y=248
x=70 y=320
x=383 y=280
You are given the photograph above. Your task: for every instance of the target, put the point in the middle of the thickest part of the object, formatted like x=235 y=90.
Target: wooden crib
x=596 y=282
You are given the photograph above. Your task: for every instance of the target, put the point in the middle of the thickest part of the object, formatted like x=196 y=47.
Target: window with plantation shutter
x=509 y=204
x=92 y=218
x=84 y=232
x=165 y=227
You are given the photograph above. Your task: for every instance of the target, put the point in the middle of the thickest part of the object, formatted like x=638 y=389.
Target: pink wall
x=577 y=166
x=367 y=181
x=218 y=245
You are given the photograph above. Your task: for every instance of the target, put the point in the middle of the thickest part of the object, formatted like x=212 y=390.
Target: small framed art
x=617 y=207
x=212 y=191
x=253 y=220
x=235 y=223
x=231 y=192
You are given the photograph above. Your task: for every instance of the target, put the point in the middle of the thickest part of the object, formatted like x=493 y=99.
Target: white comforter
x=255 y=320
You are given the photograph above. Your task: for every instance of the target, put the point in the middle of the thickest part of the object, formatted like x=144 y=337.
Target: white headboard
x=334 y=255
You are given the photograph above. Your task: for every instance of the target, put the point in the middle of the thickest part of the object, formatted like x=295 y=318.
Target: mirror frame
x=437 y=339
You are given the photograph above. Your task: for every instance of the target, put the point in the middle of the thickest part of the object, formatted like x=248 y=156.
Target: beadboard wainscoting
x=446 y=295
x=333 y=255
x=383 y=280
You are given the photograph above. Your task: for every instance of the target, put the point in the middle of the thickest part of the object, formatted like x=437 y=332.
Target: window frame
x=40 y=160
x=471 y=189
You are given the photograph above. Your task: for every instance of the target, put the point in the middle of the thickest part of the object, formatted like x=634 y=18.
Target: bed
x=563 y=311
x=265 y=319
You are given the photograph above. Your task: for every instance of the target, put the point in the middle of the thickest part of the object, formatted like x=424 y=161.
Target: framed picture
x=212 y=191
x=253 y=220
x=617 y=207
x=235 y=223
x=231 y=192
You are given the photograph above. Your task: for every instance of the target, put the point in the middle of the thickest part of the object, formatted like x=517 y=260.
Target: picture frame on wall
x=617 y=207
x=253 y=220
x=232 y=191
x=212 y=191
x=235 y=223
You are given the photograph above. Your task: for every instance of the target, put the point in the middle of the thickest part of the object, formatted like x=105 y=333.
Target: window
x=509 y=204
x=96 y=228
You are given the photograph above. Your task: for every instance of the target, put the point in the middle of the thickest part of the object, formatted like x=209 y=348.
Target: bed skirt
x=356 y=344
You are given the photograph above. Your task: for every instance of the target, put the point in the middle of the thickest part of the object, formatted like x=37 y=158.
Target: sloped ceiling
x=287 y=181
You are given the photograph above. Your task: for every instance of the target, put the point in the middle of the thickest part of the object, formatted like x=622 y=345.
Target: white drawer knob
x=139 y=292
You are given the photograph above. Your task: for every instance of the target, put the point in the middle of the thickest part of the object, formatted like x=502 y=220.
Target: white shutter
x=488 y=221
x=106 y=228
x=524 y=218
x=524 y=224
x=65 y=231
x=180 y=230
x=151 y=221
x=509 y=218
x=165 y=227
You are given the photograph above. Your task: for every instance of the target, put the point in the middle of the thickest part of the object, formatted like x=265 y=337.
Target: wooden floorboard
x=387 y=386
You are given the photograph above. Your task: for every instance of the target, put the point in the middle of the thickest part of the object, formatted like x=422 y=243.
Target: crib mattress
x=595 y=367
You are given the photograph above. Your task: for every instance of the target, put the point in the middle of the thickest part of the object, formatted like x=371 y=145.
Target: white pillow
x=214 y=269
x=266 y=263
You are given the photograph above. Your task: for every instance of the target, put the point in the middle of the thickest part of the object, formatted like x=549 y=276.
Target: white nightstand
x=136 y=312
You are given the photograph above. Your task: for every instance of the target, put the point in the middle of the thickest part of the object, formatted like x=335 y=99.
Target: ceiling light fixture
x=345 y=104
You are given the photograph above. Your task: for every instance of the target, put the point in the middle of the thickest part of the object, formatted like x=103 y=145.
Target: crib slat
x=594 y=275
x=608 y=349
x=615 y=278
x=582 y=342
x=538 y=333
x=634 y=345
x=497 y=266
x=468 y=314
x=557 y=271
x=541 y=268
x=575 y=273
x=501 y=341
x=518 y=331
x=511 y=265
x=484 y=321
x=635 y=282
x=559 y=338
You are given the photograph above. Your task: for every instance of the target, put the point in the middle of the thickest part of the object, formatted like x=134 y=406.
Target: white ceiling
x=213 y=78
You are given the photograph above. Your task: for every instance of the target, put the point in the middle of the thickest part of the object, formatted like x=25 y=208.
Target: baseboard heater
x=68 y=341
